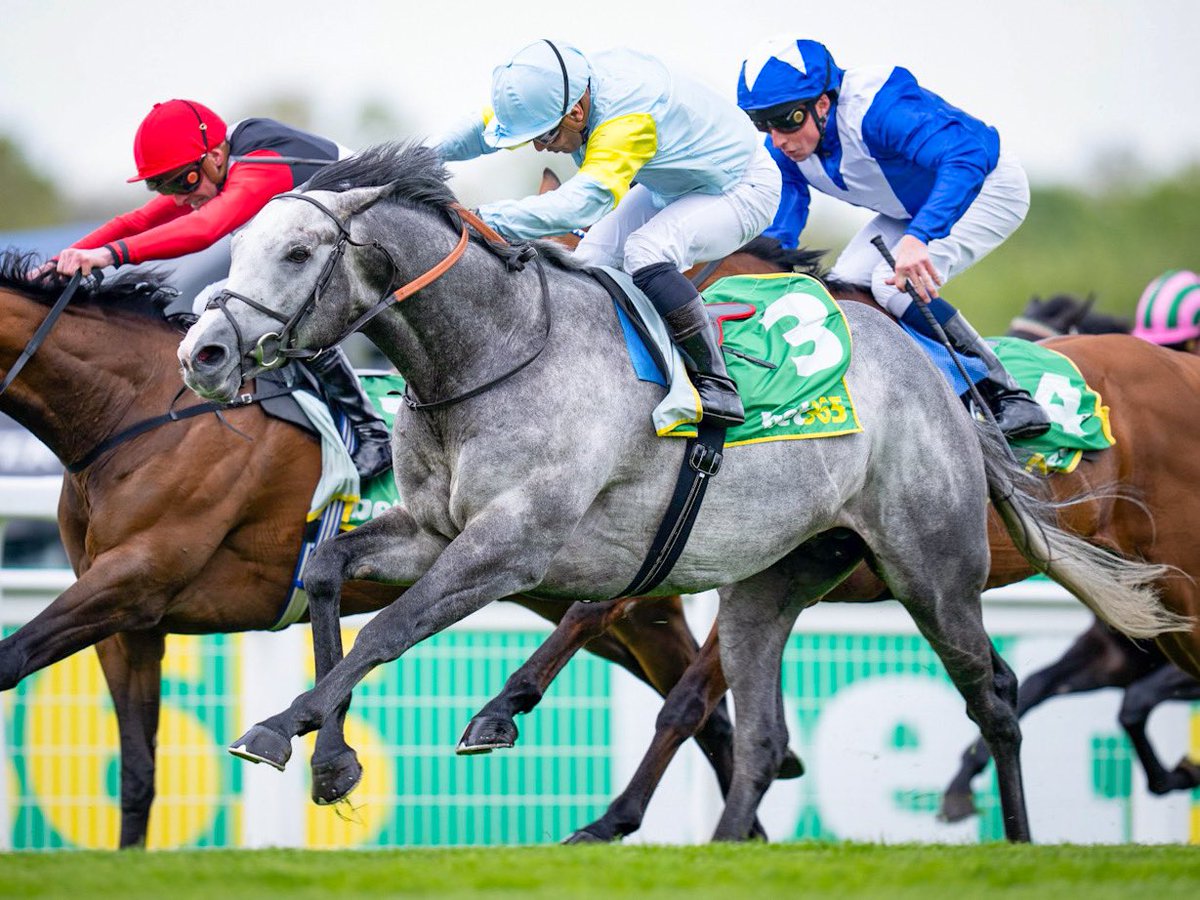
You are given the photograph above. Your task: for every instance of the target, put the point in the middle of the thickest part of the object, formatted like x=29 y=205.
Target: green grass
x=528 y=873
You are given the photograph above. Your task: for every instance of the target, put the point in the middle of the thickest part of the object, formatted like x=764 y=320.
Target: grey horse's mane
x=414 y=174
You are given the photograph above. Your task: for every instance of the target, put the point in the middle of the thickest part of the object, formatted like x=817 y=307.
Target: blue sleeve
x=928 y=150
x=792 y=214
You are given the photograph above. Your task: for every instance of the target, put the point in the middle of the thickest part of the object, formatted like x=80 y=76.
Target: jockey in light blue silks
x=945 y=192
x=705 y=184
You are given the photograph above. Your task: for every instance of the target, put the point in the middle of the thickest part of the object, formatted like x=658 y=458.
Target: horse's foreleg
x=336 y=770
x=117 y=593
x=687 y=707
x=493 y=727
x=132 y=665
x=1141 y=697
x=1098 y=658
x=490 y=559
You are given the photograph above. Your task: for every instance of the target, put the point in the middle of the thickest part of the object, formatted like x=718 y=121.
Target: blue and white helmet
x=786 y=70
x=533 y=91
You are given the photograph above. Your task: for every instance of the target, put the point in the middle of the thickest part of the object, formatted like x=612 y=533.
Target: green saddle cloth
x=379 y=494
x=789 y=359
x=1078 y=417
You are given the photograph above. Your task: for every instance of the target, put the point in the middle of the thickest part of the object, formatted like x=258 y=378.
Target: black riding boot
x=680 y=305
x=373 y=454
x=1019 y=416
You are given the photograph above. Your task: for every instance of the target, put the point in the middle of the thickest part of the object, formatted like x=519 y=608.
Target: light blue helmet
x=785 y=70
x=533 y=91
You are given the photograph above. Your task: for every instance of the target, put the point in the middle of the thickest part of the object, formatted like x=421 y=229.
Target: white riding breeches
x=642 y=230
x=996 y=213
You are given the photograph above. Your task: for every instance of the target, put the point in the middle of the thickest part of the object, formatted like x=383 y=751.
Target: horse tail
x=1120 y=591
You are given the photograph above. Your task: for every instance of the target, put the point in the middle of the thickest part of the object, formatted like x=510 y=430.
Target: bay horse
x=156 y=553
x=493 y=510
x=1100 y=657
x=1141 y=383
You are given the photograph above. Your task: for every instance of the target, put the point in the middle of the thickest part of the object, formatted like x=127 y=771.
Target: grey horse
x=530 y=466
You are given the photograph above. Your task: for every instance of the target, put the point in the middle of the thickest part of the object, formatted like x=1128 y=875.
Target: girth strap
x=701 y=461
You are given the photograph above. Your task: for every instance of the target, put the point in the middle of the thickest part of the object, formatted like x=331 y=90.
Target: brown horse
x=1141 y=507
x=194 y=527
x=1100 y=657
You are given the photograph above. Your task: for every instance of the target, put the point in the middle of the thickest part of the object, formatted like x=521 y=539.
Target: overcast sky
x=1063 y=81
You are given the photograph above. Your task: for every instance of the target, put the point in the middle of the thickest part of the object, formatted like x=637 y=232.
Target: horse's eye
x=299 y=254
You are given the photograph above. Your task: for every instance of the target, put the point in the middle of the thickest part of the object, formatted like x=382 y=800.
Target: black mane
x=1067 y=313
x=143 y=291
x=807 y=262
x=412 y=172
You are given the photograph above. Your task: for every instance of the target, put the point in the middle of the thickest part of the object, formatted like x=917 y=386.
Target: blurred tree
x=31 y=200
x=293 y=109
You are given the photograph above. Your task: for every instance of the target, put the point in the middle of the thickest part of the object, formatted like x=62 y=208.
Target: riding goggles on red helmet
x=181 y=181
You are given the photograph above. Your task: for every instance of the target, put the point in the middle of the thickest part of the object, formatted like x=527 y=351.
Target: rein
x=282 y=342
x=42 y=330
x=175 y=416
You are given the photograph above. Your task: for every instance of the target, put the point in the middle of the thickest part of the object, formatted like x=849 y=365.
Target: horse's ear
x=1088 y=303
x=357 y=200
x=550 y=182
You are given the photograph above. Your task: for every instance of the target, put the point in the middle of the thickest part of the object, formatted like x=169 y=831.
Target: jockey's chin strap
x=282 y=344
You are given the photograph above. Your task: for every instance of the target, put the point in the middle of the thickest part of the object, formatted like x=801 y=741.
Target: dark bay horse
x=492 y=509
x=191 y=527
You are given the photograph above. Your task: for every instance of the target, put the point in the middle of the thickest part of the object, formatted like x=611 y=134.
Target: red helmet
x=174 y=134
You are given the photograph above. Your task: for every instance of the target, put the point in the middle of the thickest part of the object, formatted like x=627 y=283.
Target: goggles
x=181 y=181
x=550 y=136
x=785 y=121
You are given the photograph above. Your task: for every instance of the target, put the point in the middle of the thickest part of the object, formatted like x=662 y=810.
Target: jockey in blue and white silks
x=704 y=184
x=946 y=194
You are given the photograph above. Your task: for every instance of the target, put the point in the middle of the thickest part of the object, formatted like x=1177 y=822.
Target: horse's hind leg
x=1141 y=697
x=687 y=707
x=755 y=620
x=942 y=596
x=1097 y=659
x=132 y=666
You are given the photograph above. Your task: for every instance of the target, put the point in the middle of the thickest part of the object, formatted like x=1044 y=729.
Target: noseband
x=281 y=345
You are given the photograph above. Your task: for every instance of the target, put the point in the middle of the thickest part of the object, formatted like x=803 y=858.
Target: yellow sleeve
x=617 y=149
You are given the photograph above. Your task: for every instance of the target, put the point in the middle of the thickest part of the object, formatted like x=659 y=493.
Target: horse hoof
x=333 y=781
x=956 y=808
x=1189 y=771
x=583 y=836
x=260 y=744
x=483 y=735
x=791 y=767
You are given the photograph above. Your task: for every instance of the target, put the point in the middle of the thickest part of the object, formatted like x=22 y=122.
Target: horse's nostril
x=210 y=356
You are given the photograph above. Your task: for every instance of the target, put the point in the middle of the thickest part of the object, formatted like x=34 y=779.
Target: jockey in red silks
x=208 y=181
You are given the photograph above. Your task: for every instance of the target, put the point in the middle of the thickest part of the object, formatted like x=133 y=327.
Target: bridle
x=282 y=343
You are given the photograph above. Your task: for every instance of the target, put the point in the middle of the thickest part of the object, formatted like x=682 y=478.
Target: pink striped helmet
x=1169 y=311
